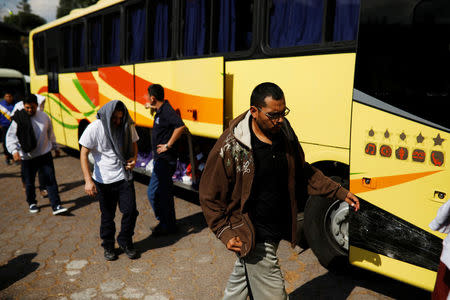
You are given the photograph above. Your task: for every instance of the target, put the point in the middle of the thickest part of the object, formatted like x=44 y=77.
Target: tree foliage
x=65 y=6
x=24 y=19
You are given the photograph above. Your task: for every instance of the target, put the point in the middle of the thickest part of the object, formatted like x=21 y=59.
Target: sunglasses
x=275 y=116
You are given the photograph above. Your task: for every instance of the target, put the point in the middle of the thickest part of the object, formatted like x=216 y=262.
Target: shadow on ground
x=187 y=225
x=79 y=202
x=339 y=285
x=5 y=175
x=16 y=269
x=65 y=187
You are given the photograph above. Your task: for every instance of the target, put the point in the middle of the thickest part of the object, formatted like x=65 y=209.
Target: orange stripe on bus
x=376 y=183
x=90 y=86
x=63 y=99
x=193 y=108
x=142 y=120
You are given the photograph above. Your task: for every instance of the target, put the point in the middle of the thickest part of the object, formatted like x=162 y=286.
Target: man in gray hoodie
x=112 y=139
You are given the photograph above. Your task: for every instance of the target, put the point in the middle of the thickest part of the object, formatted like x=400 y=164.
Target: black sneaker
x=160 y=230
x=34 y=209
x=59 y=209
x=110 y=254
x=130 y=251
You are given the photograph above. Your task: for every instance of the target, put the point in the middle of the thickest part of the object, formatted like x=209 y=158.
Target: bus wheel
x=326 y=229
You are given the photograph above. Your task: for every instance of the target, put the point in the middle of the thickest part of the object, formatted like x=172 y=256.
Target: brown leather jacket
x=227 y=179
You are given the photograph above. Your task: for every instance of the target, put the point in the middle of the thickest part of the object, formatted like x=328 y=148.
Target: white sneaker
x=59 y=209
x=34 y=209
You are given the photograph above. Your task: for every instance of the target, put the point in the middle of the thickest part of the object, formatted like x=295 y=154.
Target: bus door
x=54 y=100
x=398 y=168
x=400 y=138
x=194 y=88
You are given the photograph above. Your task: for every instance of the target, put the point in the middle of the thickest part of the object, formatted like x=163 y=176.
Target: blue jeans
x=160 y=192
x=44 y=165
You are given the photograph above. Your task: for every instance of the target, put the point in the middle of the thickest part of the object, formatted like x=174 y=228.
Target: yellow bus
x=366 y=84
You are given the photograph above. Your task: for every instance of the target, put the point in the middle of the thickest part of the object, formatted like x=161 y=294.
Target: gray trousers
x=258 y=275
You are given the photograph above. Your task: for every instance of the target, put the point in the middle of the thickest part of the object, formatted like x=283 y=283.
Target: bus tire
x=326 y=229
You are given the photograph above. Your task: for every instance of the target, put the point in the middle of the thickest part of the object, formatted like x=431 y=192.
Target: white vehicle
x=13 y=81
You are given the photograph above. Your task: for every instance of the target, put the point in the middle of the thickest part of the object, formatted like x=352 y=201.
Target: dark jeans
x=41 y=178
x=44 y=165
x=160 y=192
x=3 y=131
x=108 y=196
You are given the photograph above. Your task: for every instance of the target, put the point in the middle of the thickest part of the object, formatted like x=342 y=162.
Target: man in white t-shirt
x=34 y=151
x=112 y=139
x=41 y=105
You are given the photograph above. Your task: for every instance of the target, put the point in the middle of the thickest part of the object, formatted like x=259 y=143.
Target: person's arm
x=214 y=198
x=12 y=141
x=319 y=184
x=89 y=186
x=131 y=163
x=52 y=138
x=177 y=133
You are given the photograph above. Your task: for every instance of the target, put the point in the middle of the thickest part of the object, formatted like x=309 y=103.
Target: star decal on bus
x=438 y=140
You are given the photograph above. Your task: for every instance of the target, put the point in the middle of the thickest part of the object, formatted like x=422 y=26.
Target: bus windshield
x=404 y=55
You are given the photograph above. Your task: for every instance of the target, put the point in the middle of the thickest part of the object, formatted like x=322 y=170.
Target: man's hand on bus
x=57 y=153
x=353 y=201
x=90 y=188
x=16 y=156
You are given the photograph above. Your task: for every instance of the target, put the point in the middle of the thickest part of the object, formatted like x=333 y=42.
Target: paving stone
x=60 y=257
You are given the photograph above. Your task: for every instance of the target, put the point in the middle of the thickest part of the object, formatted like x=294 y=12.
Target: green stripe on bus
x=80 y=89
x=64 y=124
x=87 y=114
x=60 y=104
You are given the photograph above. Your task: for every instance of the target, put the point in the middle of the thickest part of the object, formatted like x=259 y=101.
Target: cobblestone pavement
x=59 y=257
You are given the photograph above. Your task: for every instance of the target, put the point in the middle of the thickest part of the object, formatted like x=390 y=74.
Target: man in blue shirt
x=6 y=107
x=167 y=129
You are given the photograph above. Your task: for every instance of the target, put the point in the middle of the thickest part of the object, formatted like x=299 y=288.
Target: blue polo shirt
x=4 y=122
x=166 y=120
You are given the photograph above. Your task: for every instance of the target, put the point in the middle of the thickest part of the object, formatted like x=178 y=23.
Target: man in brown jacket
x=254 y=178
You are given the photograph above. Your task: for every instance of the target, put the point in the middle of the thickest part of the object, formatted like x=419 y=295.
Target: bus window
x=346 y=20
x=159 y=32
x=196 y=27
x=67 y=48
x=295 y=23
x=79 y=36
x=404 y=56
x=233 y=25
x=95 y=41
x=135 y=33
x=39 y=53
x=111 y=46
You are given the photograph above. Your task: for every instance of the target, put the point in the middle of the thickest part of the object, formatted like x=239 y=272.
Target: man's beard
x=269 y=132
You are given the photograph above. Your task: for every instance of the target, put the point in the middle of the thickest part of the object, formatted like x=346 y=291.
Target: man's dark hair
x=30 y=98
x=263 y=90
x=156 y=90
x=120 y=107
x=8 y=92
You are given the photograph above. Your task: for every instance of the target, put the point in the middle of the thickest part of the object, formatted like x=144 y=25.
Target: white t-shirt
x=107 y=166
